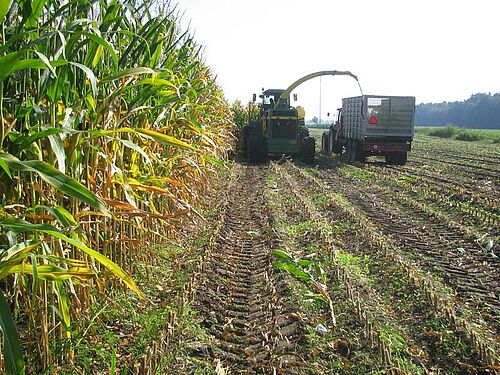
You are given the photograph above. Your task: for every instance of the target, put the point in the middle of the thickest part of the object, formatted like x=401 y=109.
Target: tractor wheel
x=307 y=150
x=303 y=131
x=244 y=140
x=253 y=149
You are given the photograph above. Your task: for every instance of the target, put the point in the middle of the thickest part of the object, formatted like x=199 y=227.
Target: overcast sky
x=439 y=50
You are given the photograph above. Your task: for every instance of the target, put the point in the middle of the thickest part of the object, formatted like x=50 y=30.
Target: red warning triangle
x=373 y=120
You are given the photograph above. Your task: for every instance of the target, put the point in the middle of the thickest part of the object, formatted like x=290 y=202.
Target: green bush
x=448 y=131
x=465 y=135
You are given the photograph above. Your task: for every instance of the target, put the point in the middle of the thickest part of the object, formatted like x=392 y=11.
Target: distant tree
x=315 y=120
x=479 y=111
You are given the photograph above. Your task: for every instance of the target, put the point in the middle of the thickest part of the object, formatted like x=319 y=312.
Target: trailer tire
x=337 y=147
x=400 y=158
x=360 y=155
x=350 y=151
x=390 y=158
x=325 y=147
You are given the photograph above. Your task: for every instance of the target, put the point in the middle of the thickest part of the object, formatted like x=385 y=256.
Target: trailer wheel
x=350 y=151
x=360 y=155
x=337 y=147
x=400 y=158
x=307 y=150
x=324 y=142
x=390 y=158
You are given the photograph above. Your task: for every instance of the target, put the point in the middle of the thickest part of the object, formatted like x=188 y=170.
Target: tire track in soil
x=474 y=279
x=238 y=295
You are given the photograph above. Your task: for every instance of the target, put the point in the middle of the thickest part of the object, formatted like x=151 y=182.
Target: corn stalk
x=111 y=126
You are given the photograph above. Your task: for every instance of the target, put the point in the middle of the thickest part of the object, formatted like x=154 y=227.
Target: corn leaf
x=62 y=215
x=13 y=62
x=21 y=226
x=90 y=75
x=46 y=61
x=4 y=8
x=57 y=146
x=55 y=178
x=5 y=167
x=54 y=273
x=103 y=43
x=166 y=139
x=127 y=73
x=283 y=256
x=13 y=355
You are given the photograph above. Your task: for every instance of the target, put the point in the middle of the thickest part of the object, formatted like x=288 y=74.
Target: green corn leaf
x=46 y=61
x=13 y=62
x=90 y=75
x=283 y=256
x=103 y=43
x=128 y=72
x=4 y=8
x=155 y=59
x=62 y=299
x=20 y=226
x=13 y=355
x=151 y=134
x=57 y=146
x=305 y=262
x=5 y=167
x=62 y=215
x=36 y=11
x=18 y=249
x=57 y=179
x=298 y=273
x=34 y=284
x=212 y=160
x=26 y=142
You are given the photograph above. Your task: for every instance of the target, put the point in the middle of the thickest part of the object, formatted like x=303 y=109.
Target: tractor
x=280 y=130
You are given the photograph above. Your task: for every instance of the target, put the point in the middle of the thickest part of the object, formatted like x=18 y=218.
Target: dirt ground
x=355 y=269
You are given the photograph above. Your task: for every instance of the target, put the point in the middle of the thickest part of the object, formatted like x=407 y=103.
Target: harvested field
x=407 y=255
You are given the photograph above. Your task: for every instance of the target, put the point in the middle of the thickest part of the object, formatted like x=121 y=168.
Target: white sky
x=435 y=50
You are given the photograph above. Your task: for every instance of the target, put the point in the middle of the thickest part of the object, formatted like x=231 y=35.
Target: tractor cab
x=279 y=123
x=271 y=99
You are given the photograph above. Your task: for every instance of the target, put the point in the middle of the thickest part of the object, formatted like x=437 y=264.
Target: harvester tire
x=243 y=143
x=307 y=150
x=253 y=149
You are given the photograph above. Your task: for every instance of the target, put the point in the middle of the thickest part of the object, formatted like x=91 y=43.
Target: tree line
x=479 y=111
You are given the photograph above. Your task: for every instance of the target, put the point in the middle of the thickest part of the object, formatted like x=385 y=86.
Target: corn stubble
x=111 y=126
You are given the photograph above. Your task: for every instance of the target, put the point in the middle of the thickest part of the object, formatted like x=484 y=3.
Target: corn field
x=111 y=126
